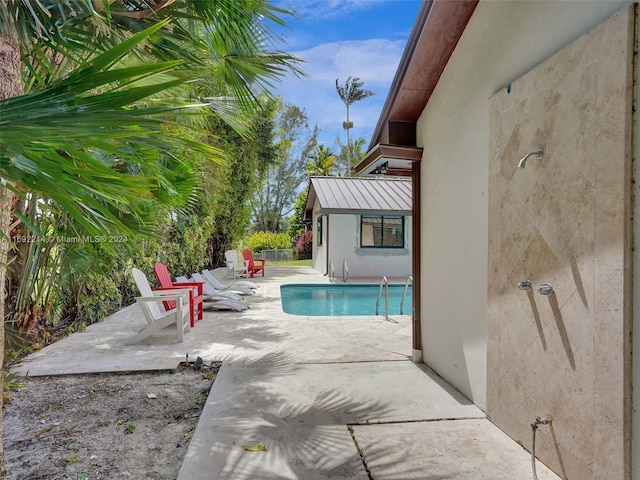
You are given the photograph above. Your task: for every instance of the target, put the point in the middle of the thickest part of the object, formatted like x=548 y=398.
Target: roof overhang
x=435 y=34
x=393 y=160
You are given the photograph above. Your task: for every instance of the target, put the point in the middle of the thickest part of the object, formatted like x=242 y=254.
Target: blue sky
x=338 y=39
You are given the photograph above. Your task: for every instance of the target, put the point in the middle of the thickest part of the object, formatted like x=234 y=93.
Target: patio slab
x=466 y=449
x=262 y=335
x=301 y=414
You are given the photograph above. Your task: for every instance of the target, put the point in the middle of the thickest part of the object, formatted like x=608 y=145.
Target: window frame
x=319 y=231
x=382 y=218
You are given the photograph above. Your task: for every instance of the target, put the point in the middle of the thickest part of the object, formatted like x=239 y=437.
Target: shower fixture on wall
x=545 y=289
x=525 y=285
x=523 y=160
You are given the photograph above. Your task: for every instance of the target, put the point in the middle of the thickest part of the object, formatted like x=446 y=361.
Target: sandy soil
x=103 y=426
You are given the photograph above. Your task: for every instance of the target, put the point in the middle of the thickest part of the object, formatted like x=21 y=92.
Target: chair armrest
x=159 y=298
x=259 y=261
x=195 y=285
x=166 y=291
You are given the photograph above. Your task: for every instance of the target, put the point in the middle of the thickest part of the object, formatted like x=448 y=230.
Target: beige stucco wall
x=503 y=41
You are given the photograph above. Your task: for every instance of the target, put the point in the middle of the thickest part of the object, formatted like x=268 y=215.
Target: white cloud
x=327 y=9
x=374 y=61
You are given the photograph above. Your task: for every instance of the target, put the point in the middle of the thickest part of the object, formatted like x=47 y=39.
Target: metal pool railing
x=383 y=282
x=404 y=293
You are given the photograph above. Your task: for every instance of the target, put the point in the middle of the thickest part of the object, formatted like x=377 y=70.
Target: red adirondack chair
x=196 y=294
x=253 y=265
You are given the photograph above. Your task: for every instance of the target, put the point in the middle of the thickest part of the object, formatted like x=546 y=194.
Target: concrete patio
x=330 y=397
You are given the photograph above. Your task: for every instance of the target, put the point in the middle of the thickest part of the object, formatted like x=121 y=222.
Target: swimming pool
x=337 y=300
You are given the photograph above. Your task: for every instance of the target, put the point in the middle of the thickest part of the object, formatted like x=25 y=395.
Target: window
x=319 y=231
x=382 y=231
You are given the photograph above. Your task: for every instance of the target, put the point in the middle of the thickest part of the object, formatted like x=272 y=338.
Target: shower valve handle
x=525 y=285
x=545 y=289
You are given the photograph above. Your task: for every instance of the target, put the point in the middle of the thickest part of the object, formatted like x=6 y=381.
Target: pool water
x=337 y=300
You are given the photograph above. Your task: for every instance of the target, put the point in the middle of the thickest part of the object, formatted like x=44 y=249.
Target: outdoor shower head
x=523 y=160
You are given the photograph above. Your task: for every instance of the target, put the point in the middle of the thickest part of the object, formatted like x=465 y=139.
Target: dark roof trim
x=435 y=34
x=393 y=158
x=407 y=55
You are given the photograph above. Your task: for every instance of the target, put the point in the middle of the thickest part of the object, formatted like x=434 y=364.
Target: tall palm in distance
x=350 y=93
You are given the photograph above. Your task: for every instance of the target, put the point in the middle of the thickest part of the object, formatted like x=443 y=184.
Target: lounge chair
x=253 y=265
x=196 y=297
x=216 y=300
x=215 y=283
x=239 y=283
x=156 y=316
x=234 y=267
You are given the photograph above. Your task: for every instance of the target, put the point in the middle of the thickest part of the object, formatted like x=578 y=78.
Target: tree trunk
x=10 y=86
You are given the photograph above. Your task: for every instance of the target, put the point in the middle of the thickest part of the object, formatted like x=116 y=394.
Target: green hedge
x=268 y=241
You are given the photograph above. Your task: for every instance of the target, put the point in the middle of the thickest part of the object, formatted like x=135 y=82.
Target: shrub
x=304 y=245
x=267 y=241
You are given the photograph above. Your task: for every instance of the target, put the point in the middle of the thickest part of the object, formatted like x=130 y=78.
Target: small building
x=361 y=223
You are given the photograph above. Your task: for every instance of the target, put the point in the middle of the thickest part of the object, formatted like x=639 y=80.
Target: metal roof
x=359 y=195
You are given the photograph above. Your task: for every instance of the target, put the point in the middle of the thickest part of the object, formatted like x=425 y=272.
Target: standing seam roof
x=361 y=195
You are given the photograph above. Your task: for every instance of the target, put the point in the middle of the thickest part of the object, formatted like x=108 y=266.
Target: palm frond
x=56 y=140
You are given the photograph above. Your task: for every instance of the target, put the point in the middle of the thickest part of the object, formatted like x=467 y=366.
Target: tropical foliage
x=303 y=246
x=231 y=186
x=267 y=241
x=295 y=141
x=109 y=142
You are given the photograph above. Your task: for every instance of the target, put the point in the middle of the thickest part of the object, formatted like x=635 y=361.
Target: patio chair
x=196 y=297
x=215 y=283
x=253 y=265
x=208 y=292
x=158 y=318
x=218 y=300
x=239 y=283
x=234 y=267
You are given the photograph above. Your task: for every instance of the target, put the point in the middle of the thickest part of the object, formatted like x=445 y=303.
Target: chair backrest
x=145 y=291
x=164 y=279
x=231 y=257
x=248 y=258
x=207 y=289
x=208 y=276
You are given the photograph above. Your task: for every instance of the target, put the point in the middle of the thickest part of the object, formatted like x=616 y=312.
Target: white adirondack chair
x=234 y=267
x=157 y=317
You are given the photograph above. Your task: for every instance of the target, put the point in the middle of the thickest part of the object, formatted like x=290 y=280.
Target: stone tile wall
x=564 y=219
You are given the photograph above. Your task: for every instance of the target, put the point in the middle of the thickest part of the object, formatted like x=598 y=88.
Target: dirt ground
x=104 y=426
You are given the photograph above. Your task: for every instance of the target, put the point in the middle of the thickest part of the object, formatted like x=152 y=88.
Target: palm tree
x=63 y=143
x=350 y=93
x=322 y=162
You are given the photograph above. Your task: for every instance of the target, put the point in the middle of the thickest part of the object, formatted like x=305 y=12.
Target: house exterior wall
x=344 y=244
x=318 y=252
x=341 y=242
x=502 y=42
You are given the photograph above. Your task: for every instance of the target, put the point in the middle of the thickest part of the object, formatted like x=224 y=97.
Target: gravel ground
x=104 y=426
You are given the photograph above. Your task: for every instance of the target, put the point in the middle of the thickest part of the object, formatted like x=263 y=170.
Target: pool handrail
x=404 y=293
x=345 y=271
x=384 y=282
x=332 y=272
